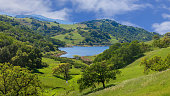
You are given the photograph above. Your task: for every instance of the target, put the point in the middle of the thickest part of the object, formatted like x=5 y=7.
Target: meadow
x=132 y=80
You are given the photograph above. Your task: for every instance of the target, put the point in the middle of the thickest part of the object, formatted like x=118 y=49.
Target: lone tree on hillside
x=63 y=69
x=97 y=73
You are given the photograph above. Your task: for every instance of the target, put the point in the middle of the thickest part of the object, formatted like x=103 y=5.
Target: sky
x=152 y=15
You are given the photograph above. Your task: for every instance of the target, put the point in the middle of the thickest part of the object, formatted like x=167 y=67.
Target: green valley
x=136 y=63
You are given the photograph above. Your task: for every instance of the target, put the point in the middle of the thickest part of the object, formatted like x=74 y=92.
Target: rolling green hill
x=95 y=32
x=133 y=82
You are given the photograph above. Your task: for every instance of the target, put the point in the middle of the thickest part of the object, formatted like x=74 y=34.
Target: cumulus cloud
x=162 y=28
x=166 y=16
x=40 y=7
x=108 y=7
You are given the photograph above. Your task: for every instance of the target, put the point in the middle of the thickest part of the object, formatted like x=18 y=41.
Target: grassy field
x=131 y=82
x=57 y=85
x=157 y=84
x=76 y=38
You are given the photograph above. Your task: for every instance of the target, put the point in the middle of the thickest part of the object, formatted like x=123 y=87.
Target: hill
x=133 y=82
x=95 y=32
x=105 y=32
x=10 y=26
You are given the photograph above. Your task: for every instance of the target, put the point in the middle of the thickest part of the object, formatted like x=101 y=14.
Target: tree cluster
x=18 y=53
x=122 y=54
x=156 y=64
x=161 y=42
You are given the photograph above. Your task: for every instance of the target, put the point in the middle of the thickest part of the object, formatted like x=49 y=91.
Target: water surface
x=83 y=51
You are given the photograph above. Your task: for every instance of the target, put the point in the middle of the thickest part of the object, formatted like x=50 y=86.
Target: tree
x=96 y=73
x=63 y=69
x=17 y=81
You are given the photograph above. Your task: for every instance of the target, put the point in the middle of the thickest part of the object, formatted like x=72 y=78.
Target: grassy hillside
x=156 y=84
x=95 y=32
x=71 y=38
x=133 y=81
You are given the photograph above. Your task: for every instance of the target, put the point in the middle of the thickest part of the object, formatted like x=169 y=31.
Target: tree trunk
x=103 y=84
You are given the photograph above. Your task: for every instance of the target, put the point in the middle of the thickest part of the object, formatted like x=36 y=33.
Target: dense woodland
x=22 y=57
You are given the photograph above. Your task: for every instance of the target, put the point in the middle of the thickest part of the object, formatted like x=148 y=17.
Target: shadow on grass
x=61 y=77
x=59 y=88
x=98 y=89
x=37 y=71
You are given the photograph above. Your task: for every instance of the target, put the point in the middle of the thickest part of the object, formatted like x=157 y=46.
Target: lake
x=83 y=51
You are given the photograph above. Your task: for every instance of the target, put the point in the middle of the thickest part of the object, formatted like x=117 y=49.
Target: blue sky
x=152 y=15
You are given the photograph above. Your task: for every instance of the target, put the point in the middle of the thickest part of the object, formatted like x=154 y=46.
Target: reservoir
x=83 y=51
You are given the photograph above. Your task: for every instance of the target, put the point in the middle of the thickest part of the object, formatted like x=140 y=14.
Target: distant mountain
x=42 y=18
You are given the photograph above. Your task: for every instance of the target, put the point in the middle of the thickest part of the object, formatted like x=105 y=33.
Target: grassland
x=131 y=81
x=74 y=36
x=56 y=85
x=134 y=82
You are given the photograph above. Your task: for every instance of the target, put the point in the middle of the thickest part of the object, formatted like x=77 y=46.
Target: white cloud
x=129 y=24
x=162 y=28
x=108 y=7
x=40 y=7
x=165 y=7
x=166 y=16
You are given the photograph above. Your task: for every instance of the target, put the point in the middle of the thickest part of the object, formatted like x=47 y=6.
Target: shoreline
x=85 y=46
x=62 y=53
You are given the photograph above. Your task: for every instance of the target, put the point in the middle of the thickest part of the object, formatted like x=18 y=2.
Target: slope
x=94 y=32
x=134 y=82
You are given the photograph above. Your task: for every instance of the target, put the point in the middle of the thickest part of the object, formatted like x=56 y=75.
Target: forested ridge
x=94 y=32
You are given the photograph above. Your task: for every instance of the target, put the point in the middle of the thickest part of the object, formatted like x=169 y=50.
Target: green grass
x=113 y=40
x=55 y=85
x=131 y=81
x=157 y=84
x=132 y=71
x=76 y=38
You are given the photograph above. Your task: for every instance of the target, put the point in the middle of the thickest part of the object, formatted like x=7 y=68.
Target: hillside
x=95 y=32
x=105 y=32
x=133 y=82
x=10 y=26
x=122 y=33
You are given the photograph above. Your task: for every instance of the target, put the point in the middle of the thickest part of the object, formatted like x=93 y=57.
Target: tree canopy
x=96 y=73
x=17 y=81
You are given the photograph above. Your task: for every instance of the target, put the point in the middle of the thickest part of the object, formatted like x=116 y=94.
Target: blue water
x=83 y=51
